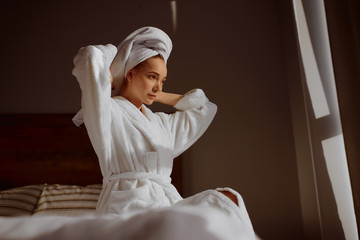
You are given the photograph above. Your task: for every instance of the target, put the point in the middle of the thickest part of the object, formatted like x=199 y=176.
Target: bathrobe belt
x=162 y=180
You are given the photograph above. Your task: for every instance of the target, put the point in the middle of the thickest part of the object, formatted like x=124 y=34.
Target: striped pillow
x=68 y=200
x=19 y=201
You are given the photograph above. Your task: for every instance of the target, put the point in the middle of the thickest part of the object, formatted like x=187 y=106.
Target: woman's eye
x=152 y=76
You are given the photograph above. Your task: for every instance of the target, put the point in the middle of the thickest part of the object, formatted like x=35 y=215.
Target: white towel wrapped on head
x=139 y=46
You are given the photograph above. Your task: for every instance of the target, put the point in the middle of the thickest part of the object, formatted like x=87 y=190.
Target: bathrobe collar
x=145 y=124
x=133 y=111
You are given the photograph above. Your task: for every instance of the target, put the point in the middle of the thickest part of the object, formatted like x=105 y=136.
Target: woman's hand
x=168 y=98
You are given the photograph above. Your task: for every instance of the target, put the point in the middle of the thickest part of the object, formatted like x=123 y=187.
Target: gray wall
x=233 y=50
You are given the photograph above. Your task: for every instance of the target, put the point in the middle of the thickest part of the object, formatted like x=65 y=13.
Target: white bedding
x=200 y=223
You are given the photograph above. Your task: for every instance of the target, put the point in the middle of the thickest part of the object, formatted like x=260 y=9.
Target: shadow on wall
x=41 y=39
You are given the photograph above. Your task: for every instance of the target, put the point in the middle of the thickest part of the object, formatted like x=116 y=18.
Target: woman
x=135 y=146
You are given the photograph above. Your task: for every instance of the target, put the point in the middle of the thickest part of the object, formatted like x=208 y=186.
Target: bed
x=50 y=182
x=48 y=159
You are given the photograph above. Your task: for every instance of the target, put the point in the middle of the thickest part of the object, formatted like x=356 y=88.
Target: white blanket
x=200 y=223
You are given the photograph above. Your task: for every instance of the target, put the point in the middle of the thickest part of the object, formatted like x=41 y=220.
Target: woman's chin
x=149 y=102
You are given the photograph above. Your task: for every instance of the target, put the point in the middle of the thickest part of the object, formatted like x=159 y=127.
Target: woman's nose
x=157 y=87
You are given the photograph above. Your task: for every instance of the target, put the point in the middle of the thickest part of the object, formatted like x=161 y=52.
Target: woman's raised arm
x=168 y=98
x=92 y=72
x=194 y=115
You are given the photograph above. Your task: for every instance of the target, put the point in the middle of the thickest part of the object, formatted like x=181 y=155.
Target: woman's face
x=145 y=82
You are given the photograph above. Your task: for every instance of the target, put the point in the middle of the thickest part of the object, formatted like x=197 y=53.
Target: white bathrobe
x=136 y=150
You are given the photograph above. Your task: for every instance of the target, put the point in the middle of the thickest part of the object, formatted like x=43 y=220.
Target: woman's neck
x=130 y=98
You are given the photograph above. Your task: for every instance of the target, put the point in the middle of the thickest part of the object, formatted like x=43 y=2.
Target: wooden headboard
x=49 y=148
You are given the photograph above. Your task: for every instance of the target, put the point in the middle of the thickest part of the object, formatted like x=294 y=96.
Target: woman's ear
x=130 y=75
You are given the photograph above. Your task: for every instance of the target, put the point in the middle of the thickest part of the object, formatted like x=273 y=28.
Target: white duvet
x=175 y=223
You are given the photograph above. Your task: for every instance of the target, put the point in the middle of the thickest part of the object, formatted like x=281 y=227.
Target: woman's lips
x=152 y=96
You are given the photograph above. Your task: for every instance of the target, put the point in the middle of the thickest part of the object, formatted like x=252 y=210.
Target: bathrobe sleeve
x=194 y=115
x=92 y=72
